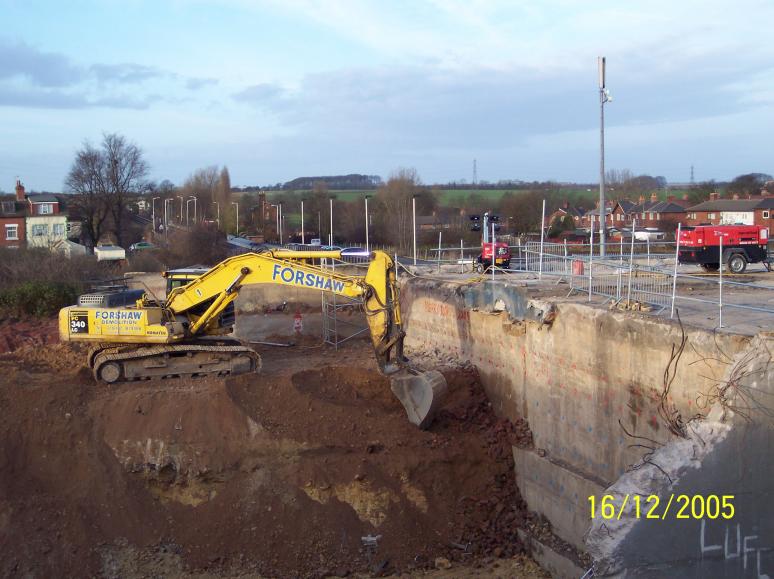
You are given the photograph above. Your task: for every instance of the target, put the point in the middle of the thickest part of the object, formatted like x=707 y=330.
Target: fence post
x=565 y=258
x=462 y=258
x=518 y=244
x=674 y=277
x=720 y=269
x=591 y=258
x=647 y=244
x=631 y=267
x=620 y=249
x=542 y=235
x=439 y=251
x=494 y=256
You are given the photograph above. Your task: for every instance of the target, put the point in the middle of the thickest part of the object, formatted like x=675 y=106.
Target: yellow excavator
x=186 y=333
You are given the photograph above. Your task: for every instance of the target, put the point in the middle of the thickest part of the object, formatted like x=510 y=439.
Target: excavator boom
x=182 y=336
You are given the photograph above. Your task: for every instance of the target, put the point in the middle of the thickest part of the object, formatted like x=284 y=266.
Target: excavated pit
x=282 y=474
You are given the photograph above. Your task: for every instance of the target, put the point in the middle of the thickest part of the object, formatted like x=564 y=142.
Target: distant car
x=141 y=245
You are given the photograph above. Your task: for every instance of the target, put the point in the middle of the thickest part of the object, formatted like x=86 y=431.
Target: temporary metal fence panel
x=624 y=276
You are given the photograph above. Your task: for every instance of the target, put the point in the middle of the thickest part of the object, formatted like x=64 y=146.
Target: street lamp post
x=236 y=205
x=604 y=97
x=187 y=212
x=330 y=234
x=303 y=237
x=276 y=218
x=414 y=219
x=280 y=221
x=196 y=212
x=217 y=207
x=181 y=208
x=153 y=212
x=366 y=223
x=166 y=219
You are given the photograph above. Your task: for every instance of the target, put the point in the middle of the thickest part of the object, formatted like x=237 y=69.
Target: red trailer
x=742 y=244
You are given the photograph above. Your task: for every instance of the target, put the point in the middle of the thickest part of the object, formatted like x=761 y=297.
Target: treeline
x=351 y=182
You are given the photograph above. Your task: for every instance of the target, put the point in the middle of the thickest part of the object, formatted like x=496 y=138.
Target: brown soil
x=16 y=334
x=278 y=475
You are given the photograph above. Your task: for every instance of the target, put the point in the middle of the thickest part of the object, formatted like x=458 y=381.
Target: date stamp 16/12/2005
x=654 y=507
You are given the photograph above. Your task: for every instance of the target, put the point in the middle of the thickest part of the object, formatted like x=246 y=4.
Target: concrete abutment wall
x=584 y=377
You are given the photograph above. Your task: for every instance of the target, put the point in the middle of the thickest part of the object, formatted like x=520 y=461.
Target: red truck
x=742 y=244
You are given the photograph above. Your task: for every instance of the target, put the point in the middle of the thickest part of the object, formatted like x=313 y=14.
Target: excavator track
x=126 y=363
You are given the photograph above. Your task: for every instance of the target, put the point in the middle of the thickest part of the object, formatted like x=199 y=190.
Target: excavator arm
x=203 y=300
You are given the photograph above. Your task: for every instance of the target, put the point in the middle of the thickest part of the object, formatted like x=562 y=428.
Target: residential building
x=591 y=218
x=621 y=214
x=12 y=214
x=45 y=224
x=442 y=218
x=663 y=215
x=576 y=213
x=716 y=211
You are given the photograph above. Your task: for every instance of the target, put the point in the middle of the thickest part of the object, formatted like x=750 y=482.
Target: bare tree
x=203 y=184
x=125 y=172
x=395 y=217
x=103 y=179
x=223 y=193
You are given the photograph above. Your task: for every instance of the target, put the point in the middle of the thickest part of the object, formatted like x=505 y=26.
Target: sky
x=278 y=89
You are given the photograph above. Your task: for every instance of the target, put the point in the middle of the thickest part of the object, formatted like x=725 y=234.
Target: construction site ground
x=309 y=469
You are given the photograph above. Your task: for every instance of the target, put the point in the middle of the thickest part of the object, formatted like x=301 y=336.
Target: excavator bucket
x=421 y=394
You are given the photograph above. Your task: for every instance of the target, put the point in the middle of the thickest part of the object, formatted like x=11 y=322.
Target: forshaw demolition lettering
x=304 y=279
x=117 y=323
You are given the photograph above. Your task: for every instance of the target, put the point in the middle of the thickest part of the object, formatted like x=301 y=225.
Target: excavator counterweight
x=186 y=334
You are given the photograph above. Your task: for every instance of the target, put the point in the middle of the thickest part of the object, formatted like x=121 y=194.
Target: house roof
x=42 y=198
x=626 y=205
x=733 y=205
x=666 y=207
x=608 y=211
x=644 y=206
x=574 y=211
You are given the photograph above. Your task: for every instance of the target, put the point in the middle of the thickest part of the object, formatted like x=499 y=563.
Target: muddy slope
x=307 y=470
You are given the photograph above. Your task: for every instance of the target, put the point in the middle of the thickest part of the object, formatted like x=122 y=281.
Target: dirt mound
x=305 y=471
x=15 y=334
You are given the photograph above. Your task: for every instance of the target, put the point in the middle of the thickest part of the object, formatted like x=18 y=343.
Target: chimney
x=19 y=191
x=714 y=196
x=566 y=204
x=736 y=196
x=685 y=197
x=671 y=198
x=642 y=199
x=654 y=197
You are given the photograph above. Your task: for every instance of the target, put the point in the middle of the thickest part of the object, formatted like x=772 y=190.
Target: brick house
x=716 y=211
x=621 y=214
x=443 y=218
x=664 y=215
x=591 y=218
x=576 y=213
x=12 y=217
